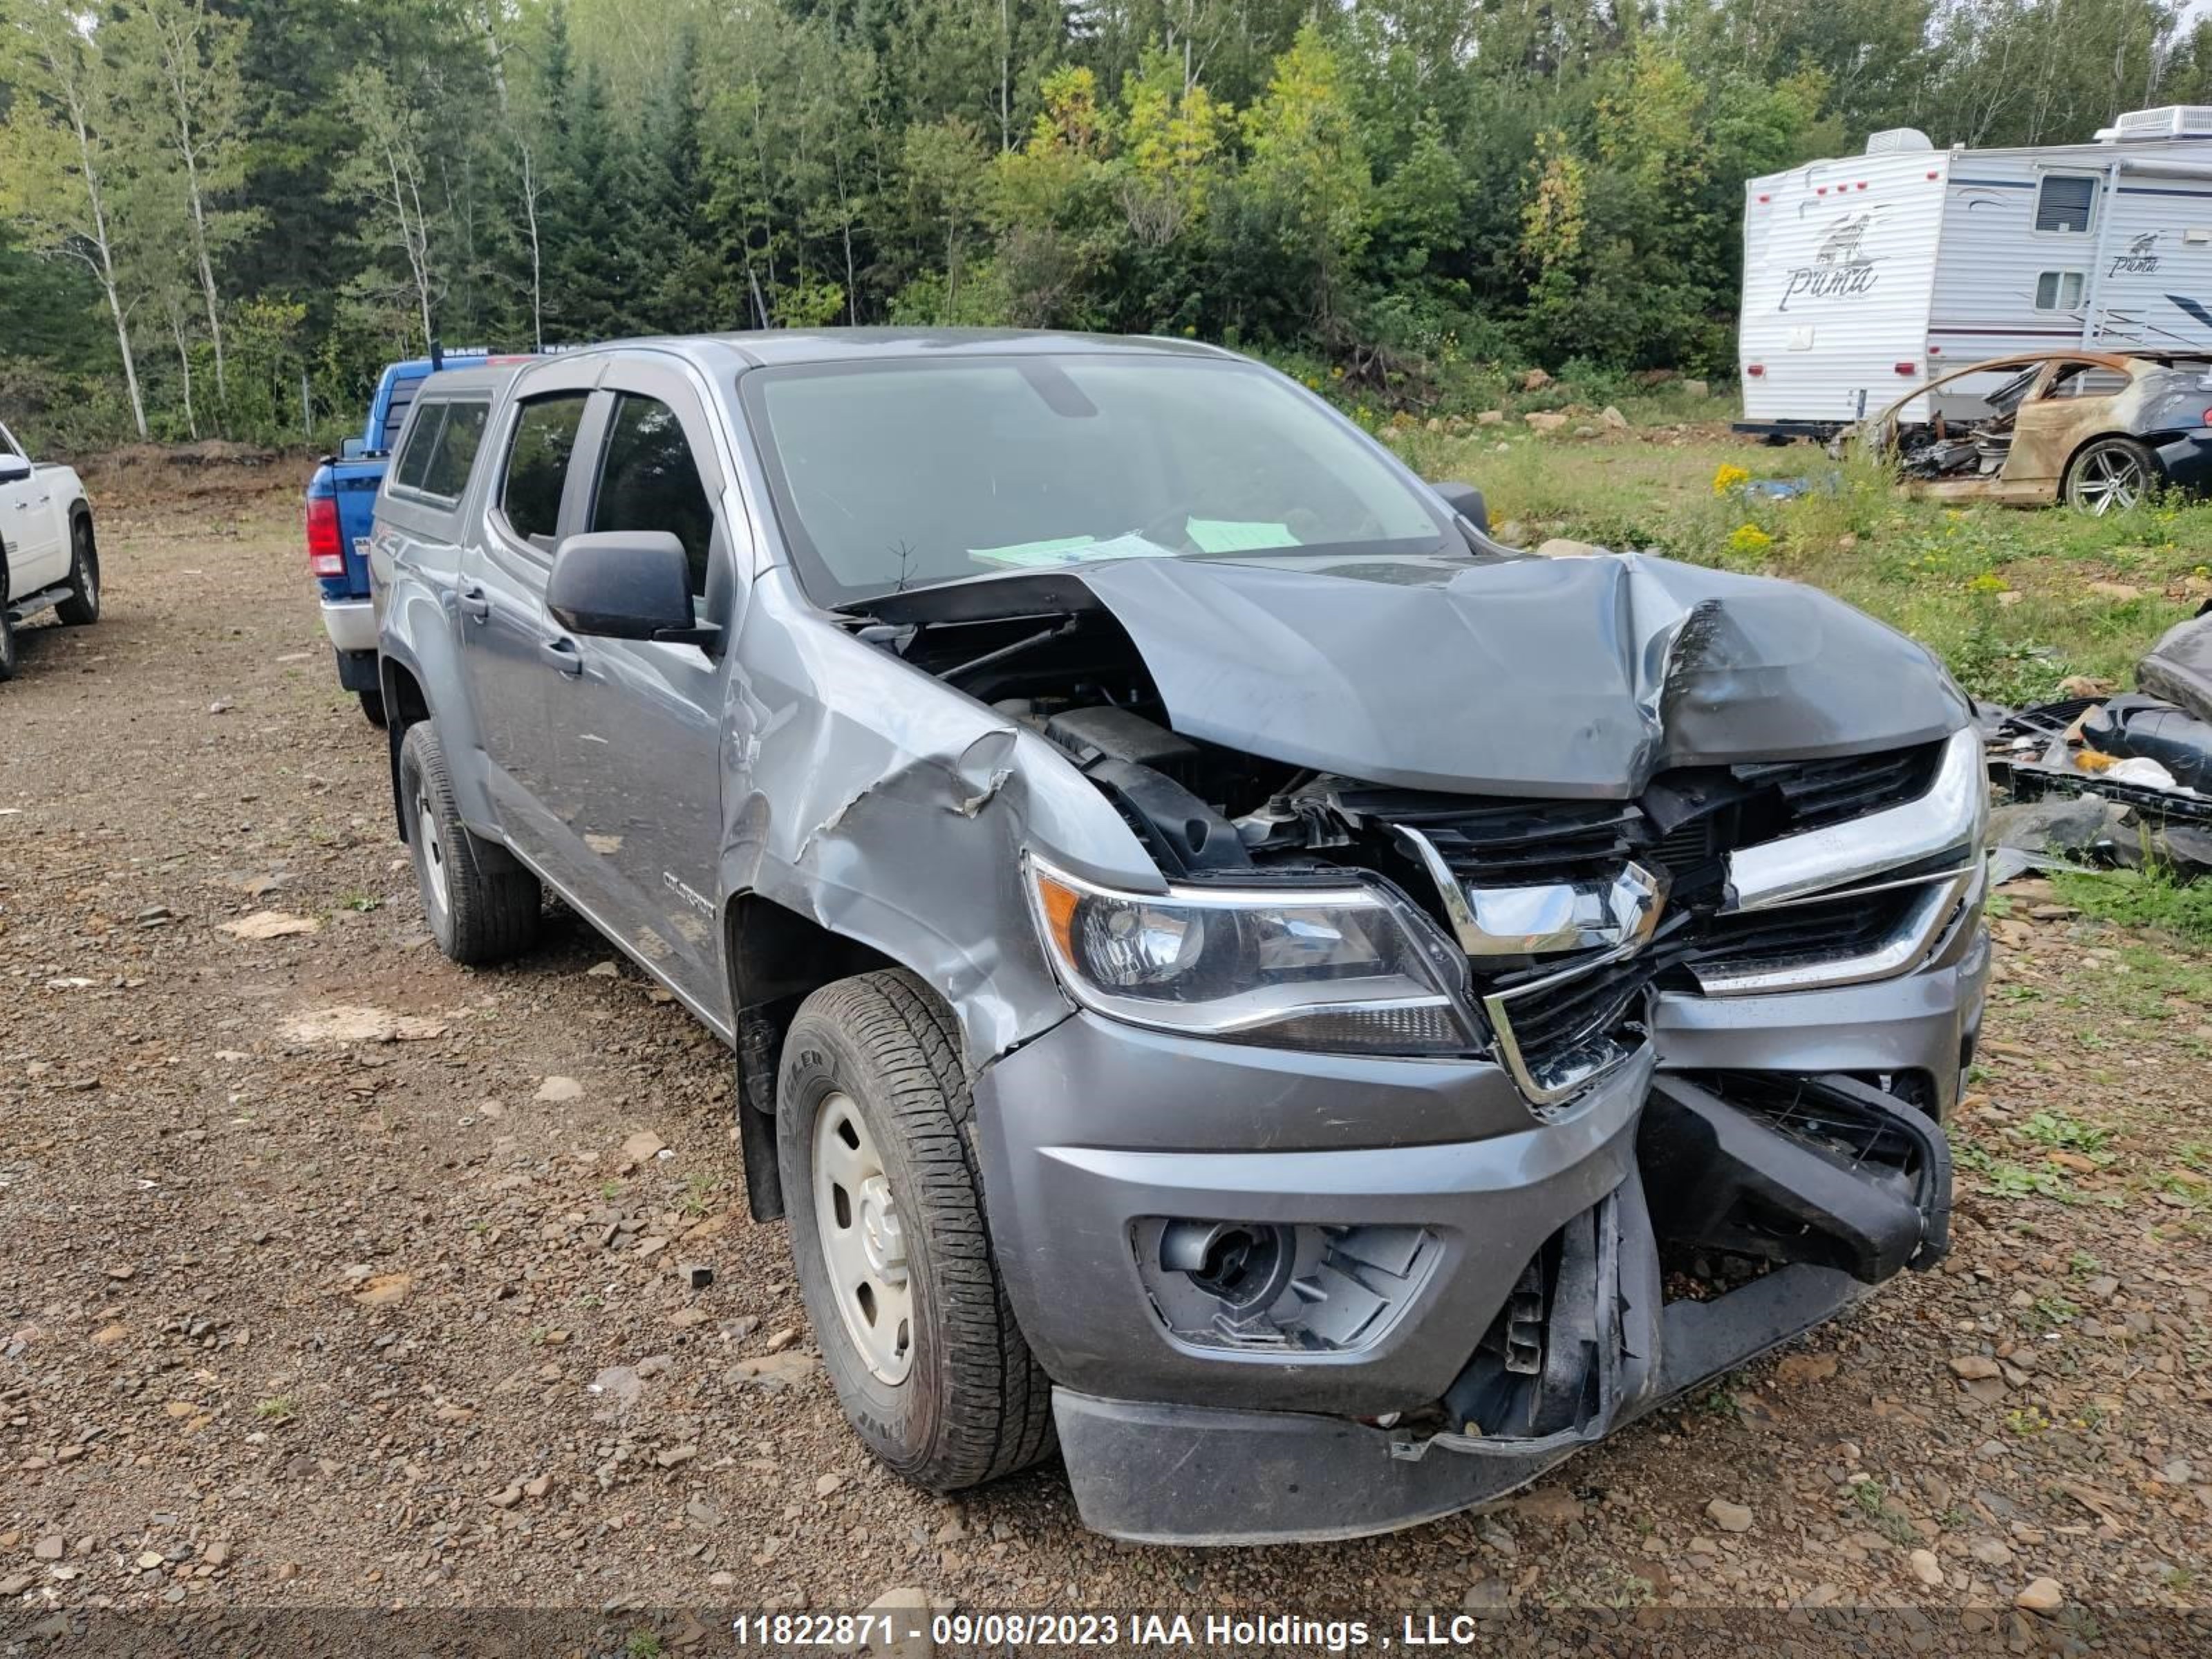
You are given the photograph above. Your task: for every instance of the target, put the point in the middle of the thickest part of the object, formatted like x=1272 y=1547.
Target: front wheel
x=2111 y=474
x=889 y=1238
x=81 y=608
x=482 y=906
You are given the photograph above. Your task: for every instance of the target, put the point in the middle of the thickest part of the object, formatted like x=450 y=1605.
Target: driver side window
x=649 y=481
x=538 y=465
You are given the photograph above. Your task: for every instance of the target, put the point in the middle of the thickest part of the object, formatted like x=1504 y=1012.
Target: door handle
x=561 y=653
x=475 y=605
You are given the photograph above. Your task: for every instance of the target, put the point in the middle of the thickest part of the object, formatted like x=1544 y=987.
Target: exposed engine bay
x=1568 y=912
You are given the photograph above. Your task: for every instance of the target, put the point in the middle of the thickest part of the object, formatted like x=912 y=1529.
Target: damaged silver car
x=1230 y=969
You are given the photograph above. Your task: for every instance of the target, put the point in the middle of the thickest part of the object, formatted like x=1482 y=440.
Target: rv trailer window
x=2065 y=201
x=2058 y=290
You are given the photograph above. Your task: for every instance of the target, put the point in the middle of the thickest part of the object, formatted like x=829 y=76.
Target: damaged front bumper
x=1187 y=1474
x=1285 y=1297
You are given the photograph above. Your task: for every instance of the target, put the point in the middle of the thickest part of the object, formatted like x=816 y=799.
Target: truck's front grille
x=1560 y=1021
x=1560 y=1028
x=1514 y=841
x=1798 y=932
x=1815 y=793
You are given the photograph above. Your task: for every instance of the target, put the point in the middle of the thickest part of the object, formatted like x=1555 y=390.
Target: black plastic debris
x=2134 y=726
x=2179 y=668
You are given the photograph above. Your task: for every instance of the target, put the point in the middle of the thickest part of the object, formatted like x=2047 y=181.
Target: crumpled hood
x=1574 y=677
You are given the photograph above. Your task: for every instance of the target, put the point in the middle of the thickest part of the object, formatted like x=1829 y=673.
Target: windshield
x=897 y=474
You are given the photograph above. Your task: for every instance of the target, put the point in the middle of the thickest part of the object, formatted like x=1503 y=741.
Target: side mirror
x=1466 y=501
x=14 y=469
x=353 y=449
x=625 y=585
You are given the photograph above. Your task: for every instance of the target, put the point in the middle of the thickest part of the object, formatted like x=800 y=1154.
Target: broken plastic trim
x=1917 y=937
x=1948 y=819
x=1570 y=1076
x=1828 y=1170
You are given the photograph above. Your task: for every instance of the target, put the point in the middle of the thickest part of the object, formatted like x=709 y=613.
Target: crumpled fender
x=872 y=799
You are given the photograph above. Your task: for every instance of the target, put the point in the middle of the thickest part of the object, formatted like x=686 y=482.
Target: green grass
x=2001 y=595
x=1881 y=1514
x=2063 y=1133
x=2148 y=898
x=2002 y=1178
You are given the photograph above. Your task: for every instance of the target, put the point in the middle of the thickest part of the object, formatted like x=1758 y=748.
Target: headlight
x=1347 y=968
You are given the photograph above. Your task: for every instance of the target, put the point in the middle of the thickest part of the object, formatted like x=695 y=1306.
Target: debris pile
x=2112 y=779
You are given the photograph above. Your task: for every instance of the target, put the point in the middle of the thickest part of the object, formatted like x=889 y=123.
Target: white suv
x=47 y=553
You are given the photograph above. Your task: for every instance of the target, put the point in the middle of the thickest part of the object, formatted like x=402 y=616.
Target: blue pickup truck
x=342 y=506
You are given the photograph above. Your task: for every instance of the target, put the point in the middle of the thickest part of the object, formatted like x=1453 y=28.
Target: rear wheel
x=2111 y=475
x=482 y=906
x=372 y=707
x=887 y=1230
x=7 y=628
x=81 y=608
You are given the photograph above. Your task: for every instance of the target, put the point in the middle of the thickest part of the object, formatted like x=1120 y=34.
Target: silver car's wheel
x=863 y=1239
x=437 y=885
x=480 y=905
x=2111 y=475
x=876 y=1161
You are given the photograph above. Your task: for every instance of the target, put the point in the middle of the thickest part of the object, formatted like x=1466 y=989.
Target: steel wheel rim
x=862 y=1235
x=89 y=577
x=2109 y=478
x=434 y=853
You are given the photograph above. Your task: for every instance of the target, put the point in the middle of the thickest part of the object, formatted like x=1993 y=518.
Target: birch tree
x=180 y=67
x=386 y=172
x=58 y=160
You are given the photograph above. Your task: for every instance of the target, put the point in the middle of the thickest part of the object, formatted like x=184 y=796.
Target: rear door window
x=538 y=465
x=649 y=481
x=441 y=448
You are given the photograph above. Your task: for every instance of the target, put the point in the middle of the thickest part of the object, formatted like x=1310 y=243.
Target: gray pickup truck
x=1231 y=969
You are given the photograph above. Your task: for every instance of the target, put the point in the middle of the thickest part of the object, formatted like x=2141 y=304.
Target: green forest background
x=202 y=202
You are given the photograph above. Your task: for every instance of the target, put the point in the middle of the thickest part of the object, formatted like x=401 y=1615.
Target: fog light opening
x=1236 y=1262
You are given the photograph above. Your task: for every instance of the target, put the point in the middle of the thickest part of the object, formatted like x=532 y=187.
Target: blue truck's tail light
x=325 y=544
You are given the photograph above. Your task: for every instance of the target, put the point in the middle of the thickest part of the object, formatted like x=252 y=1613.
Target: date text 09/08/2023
x=1230 y=1632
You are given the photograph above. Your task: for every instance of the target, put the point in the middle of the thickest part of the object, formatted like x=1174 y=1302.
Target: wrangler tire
x=967 y=1401
x=482 y=906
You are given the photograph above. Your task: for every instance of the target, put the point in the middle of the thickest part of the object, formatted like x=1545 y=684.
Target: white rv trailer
x=1865 y=275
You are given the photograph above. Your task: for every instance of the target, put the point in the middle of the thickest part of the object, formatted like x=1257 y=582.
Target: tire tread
x=996 y=1413
x=495 y=913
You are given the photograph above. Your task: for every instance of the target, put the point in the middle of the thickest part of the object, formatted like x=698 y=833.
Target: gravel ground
x=335 y=1275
